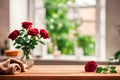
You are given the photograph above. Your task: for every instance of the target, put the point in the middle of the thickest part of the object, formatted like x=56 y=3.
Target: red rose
x=90 y=66
x=33 y=31
x=44 y=33
x=26 y=25
x=13 y=35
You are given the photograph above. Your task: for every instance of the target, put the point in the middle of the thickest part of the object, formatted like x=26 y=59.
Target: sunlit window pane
x=86 y=2
x=88 y=29
x=62 y=38
x=88 y=13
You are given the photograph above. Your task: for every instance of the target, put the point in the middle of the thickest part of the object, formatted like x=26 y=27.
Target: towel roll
x=14 y=68
x=12 y=60
x=11 y=66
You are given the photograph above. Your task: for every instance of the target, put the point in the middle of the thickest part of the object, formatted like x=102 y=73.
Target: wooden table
x=60 y=72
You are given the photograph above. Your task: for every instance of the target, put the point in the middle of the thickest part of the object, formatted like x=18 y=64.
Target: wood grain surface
x=61 y=72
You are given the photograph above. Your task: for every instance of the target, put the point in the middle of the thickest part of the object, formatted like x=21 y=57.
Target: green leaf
x=21 y=33
x=14 y=43
x=18 y=47
x=32 y=46
x=99 y=70
x=20 y=40
x=25 y=35
x=117 y=55
x=42 y=42
x=105 y=69
x=104 y=72
x=113 y=71
x=113 y=67
x=26 y=39
x=23 y=48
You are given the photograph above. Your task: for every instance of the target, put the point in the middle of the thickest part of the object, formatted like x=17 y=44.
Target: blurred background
x=78 y=29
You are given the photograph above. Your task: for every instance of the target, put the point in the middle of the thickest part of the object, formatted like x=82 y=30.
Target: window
x=72 y=23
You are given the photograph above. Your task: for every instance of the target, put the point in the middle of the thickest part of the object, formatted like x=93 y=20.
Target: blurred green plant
x=60 y=27
x=117 y=56
x=87 y=43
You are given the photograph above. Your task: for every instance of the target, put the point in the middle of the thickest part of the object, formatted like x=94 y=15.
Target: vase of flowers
x=26 y=39
x=27 y=59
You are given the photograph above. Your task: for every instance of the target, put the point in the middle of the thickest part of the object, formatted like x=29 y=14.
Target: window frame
x=100 y=36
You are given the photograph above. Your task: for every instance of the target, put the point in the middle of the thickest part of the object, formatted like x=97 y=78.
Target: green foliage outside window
x=59 y=27
x=87 y=43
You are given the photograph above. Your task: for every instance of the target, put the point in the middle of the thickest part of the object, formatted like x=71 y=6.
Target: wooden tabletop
x=61 y=72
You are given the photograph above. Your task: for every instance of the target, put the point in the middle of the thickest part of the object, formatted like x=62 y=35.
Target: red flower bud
x=44 y=33
x=33 y=31
x=90 y=66
x=13 y=35
x=26 y=25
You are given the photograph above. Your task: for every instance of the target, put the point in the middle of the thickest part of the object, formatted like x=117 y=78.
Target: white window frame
x=101 y=29
x=100 y=36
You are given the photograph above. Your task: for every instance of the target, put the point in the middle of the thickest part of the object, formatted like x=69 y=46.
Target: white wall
x=17 y=13
x=112 y=19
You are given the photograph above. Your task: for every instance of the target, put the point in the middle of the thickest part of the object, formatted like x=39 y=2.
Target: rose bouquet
x=27 y=38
